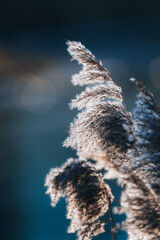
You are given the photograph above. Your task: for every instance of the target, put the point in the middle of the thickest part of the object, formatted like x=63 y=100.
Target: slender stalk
x=112 y=221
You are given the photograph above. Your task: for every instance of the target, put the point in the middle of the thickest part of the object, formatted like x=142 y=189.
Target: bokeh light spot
x=34 y=94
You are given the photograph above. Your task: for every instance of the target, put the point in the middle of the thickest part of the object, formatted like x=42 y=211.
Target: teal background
x=35 y=89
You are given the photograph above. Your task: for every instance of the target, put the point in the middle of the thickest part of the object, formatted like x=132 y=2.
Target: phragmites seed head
x=87 y=196
x=93 y=71
x=147 y=119
x=142 y=212
x=140 y=199
x=102 y=128
x=128 y=148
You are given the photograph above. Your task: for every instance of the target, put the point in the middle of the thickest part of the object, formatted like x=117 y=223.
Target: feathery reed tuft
x=128 y=148
x=87 y=195
x=147 y=119
x=102 y=129
x=141 y=208
x=140 y=199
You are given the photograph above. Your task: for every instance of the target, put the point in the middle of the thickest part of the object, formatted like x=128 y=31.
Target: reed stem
x=112 y=221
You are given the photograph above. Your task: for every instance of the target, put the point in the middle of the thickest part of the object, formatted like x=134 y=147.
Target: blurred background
x=35 y=89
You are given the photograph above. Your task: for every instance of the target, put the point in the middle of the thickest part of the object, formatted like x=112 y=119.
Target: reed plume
x=102 y=128
x=147 y=119
x=87 y=196
x=126 y=145
x=140 y=200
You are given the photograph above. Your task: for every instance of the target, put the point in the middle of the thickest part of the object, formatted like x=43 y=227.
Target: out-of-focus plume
x=140 y=199
x=147 y=119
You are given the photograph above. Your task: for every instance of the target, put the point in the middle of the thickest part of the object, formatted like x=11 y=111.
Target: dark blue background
x=35 y=89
